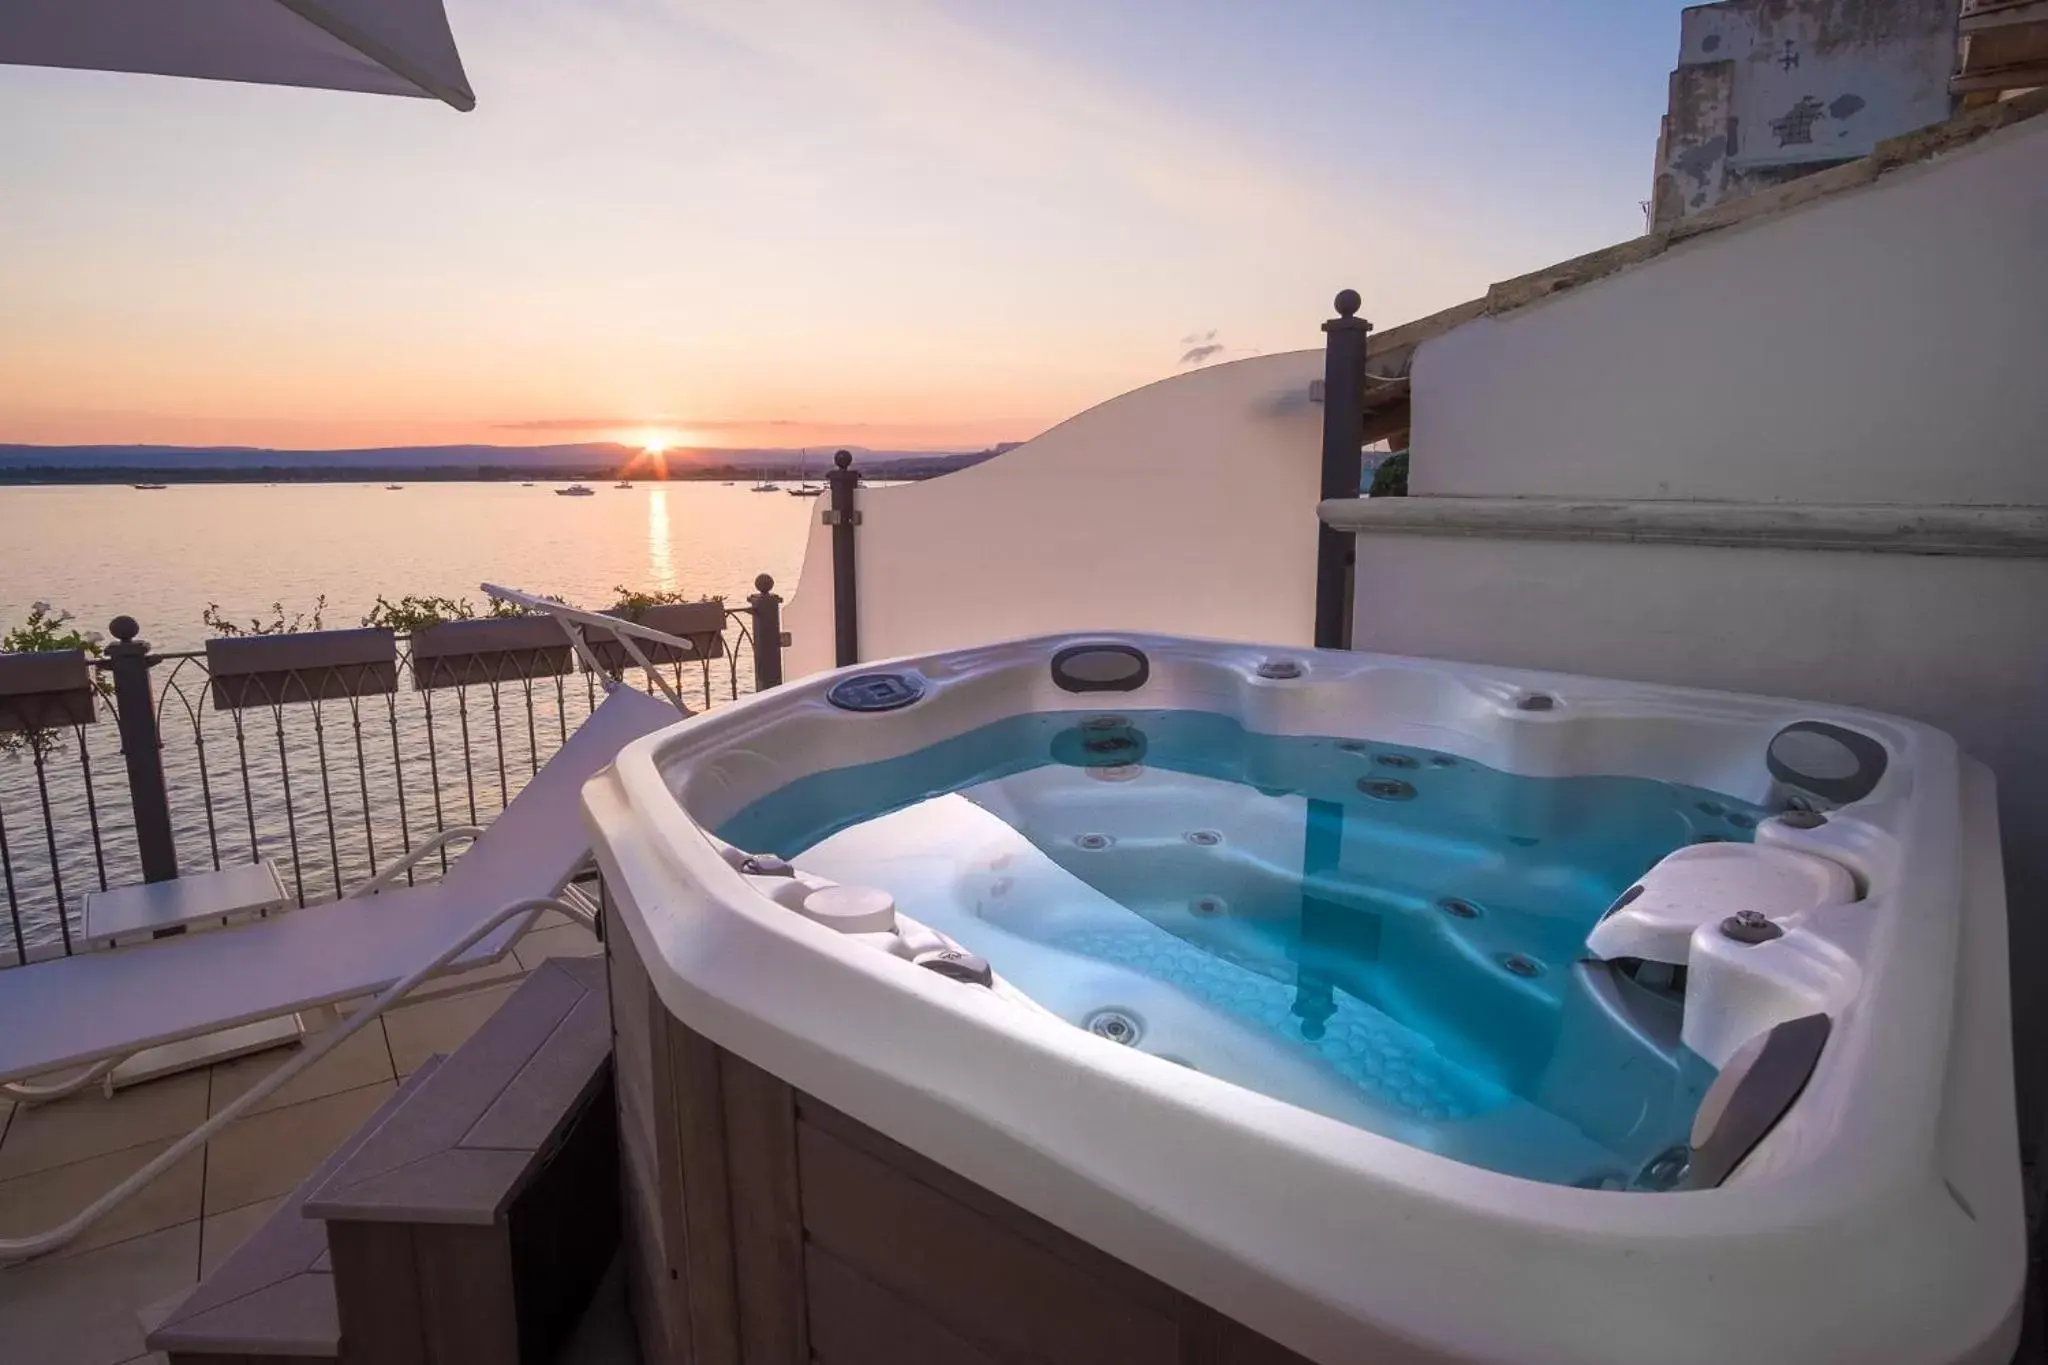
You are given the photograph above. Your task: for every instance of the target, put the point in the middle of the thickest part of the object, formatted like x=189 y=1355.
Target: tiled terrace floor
x=86 y=1304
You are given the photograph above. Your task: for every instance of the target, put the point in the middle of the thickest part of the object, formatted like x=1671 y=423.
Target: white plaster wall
x=1187 y=506
x=1959 y=643
x=1882 y=346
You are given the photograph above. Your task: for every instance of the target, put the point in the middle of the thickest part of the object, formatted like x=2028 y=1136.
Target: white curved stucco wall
x=1185 y=507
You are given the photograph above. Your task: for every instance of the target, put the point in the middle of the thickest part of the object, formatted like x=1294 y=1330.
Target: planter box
x=45 y=690
x=277 y=670
x=701 y=623
x=507 y=649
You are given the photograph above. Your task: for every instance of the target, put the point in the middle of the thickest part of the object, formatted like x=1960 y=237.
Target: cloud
x=1203 y=347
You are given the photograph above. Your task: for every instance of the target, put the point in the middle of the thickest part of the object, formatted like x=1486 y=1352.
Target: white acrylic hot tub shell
x=1881 y=1220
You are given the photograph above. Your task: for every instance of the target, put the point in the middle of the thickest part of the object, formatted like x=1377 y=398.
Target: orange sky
x=786 y=223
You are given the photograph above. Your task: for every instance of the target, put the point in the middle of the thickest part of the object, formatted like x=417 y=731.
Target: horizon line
x=624 y=446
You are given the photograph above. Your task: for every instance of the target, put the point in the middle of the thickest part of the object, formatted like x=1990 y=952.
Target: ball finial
x=844 y=459
x=124 y=628
x=764 y=582
x=1347 y=302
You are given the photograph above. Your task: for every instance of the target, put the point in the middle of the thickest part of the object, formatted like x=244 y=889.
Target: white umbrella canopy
x=384 y=47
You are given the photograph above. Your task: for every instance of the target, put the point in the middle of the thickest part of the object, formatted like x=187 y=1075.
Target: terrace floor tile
x=81 y=1310
x=417 y=1032
x=90 y=1124
x=42 y=1199
x=363 y=1059
x=223 y=1233
x=267 y=1154
x=563 y=940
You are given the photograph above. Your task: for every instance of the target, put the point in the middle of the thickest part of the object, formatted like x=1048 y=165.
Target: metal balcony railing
x=325 y=753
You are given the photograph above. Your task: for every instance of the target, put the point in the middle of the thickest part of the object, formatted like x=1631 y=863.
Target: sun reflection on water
x=660 y=564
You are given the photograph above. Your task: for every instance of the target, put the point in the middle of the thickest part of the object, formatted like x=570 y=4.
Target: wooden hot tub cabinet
x=763 y=1227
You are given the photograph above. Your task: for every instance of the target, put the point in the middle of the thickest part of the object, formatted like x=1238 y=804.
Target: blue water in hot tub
x=1396 y=929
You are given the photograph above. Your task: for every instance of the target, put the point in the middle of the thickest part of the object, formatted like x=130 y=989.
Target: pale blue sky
x=904 y=221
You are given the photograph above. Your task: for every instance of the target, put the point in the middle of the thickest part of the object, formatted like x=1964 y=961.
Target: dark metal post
x=842 y=518
x=142 y=748
x=767 y=631
x=1343 y=446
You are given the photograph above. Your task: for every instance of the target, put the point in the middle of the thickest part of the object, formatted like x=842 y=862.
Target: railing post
x=142 y=748
x=767 y=632
x=842 y=518
x=1343 y=446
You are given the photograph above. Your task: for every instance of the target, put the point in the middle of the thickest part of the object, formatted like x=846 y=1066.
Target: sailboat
x=806 y=489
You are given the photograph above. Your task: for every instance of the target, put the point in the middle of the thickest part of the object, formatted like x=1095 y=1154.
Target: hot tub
x=1396 y=1009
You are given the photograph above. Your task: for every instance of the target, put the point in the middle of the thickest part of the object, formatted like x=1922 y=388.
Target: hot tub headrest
x=1105 y=667
x=1828 y=763
x=1751 y=1094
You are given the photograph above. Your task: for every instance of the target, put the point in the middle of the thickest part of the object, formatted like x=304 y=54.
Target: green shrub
x=278 y=624
x=47 y=628
x=413 y=613
x=1390 y=480
x=632 y=603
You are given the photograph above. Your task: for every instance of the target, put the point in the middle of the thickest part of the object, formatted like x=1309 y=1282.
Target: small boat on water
x=150 y=487
x=576 y=490
x=394 y=488
x=805 y=488
x=622 y=484
x=765 y=486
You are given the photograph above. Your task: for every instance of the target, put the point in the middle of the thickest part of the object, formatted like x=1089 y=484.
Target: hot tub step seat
x=475 y=1223
x=273 y=1299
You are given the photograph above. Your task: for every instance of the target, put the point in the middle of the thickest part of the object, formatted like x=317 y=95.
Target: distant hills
x=243 y=464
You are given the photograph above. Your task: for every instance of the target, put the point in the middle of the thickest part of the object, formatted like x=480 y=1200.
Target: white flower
x=40 y=608
x=93 y=637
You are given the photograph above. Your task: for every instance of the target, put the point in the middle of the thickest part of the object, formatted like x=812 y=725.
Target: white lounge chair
x=96 y=1009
